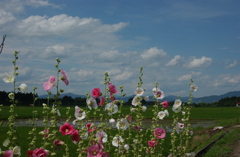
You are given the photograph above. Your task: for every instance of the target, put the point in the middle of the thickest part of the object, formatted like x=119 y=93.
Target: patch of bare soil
x=236 y=149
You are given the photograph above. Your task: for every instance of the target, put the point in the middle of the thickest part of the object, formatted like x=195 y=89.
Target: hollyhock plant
x=8 y=153
x=96 y=92
x=17 y=151
x=111 y=108
x=49 y=84
x=193 y=87
x=158 y=94
x=8 y=78
x=102 y=135
x=136 y=100
x=90 y=127
x=6 y=142
x=79 y=114
x=159 y=133
x=112 y=89
x=44 y=133
x=139 y=91
x=117 y=141
x=179 y=127
x=66 y=129
x=23 y=88
x=102 y=100
x=94 y=151
x=64 y=78
x=122 y=124
x=161 y=115
x=38 y=152
x=165 y=104
x=152 y=143
x=58 y=142
x=75 y=136
x=92 y=103
x=176 y=108
x=177 y=102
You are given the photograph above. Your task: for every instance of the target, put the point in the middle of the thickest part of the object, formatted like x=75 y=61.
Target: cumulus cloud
x=64 y=25
x=201 y=62
x=152 y=53
x=174 y=61
x=232 y=64
x=187 y=77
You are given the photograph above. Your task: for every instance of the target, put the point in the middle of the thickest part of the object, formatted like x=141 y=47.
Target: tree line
x=26 y=99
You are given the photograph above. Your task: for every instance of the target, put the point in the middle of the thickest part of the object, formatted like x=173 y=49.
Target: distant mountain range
x=206 y=99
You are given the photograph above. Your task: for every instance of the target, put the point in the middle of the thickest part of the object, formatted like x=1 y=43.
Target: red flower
x=101 y=101
x=66 y=129
x=75 y=136
x=152 y=143
x=112 y=89
x=96 y=92
x=165 y=104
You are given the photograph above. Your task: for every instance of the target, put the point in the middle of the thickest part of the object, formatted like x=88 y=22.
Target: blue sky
x=173 y=41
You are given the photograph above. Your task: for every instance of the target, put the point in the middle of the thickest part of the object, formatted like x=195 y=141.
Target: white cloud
x=5 y=17
x=201 y=62
x=174 y=61
x=153 y=53
x=232 y=64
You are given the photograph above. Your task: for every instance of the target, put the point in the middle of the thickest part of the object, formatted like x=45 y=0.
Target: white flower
x=92 y=103
x=6 y=142
x=135 y=141
x=176 y=108
x=8 y=78
x=79 y=113
x=122 y=124
x=117 y=140
x=139 y=91
x=136 y=100
x=146 y=98
x=17 y=151
x=84 y=136
x=103 y=135
x=11 y=96
x=112 y=121
x=177 y=102
x=126 y=147
x=144 y=108
x=111 y=108
x=161 y=114
x=166 y=112
x=193 y=87
x=132 y=109
x=179 y=127
x=158 y=94
x=183 y=112
x=23 y=88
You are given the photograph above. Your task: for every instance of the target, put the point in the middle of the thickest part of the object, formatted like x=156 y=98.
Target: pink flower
x=38 y=152
x=90 y=127
x=96 y=92
x=44 y=133
x=112 y=89
x=152 y=143
x=64 y=77
x=75 y=136
x=101 y=101
x=8 y=153
x=165 y=104
x=66 y=129
x=129 y=118
x=49 y=84
x=94 y=151
x=58 y=142
x=159 y=133
x=137 y=128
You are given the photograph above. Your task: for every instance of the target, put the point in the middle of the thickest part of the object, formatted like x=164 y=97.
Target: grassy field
x=223 y=116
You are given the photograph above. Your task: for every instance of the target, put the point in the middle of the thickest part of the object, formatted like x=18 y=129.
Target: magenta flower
x=159 y=133
x=66 y=129
x=49 y=84
x=44 y=133
x=64 y=78
x=165 y=104
x=38 y=152
x=94 y=151
x=112 y=89
x=90 y=127
x=152 y=143
x=58 y=142
x=96 y=92
x=137 y=128
x=102 y=100
x=75 y=136
x=8 y=153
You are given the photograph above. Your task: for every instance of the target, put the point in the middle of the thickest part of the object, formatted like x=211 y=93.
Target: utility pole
x=1 y=46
